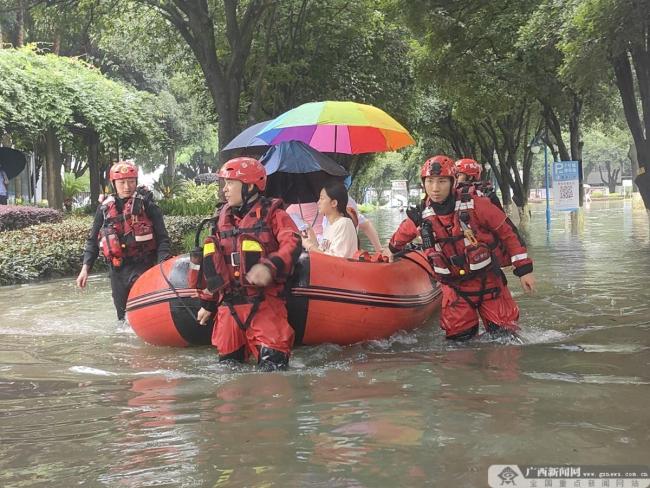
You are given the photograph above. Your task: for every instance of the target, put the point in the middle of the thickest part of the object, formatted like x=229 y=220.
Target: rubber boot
x=466 y=335
x=237 y=356
x=272 y=360
x=494 y=331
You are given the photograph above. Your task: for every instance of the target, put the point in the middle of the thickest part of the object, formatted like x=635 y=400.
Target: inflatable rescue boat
x=330 y=300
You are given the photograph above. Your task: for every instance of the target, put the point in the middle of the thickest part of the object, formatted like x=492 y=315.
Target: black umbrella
x=297 y=172
x=12 y=161
x=247 y=142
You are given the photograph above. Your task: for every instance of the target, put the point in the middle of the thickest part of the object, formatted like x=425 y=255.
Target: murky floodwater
x=85 y=402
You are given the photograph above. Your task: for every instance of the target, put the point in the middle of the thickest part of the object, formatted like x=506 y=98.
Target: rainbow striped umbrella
x=338 y=127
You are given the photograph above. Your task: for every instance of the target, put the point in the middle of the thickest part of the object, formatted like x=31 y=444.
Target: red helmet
x=469 y=167
x=123 y=170
x=439 y=165
x=246 y=170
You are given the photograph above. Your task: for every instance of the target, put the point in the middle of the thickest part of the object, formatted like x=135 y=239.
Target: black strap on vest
x=465 y=295
x=230 y=300
x=450 y=238
x=214 y=281
x=224 y=234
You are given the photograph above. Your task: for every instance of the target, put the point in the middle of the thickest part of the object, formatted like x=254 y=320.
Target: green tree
x=330 y=50
x=609 y=38
x=471 y=70
x=606 y=154
x=219 y=35
x=53 y=98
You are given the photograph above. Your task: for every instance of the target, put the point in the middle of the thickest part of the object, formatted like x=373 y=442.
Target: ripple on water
x=91 y=371
x=589 y=378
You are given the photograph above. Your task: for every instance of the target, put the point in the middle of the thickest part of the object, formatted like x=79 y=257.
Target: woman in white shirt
x=340 y=236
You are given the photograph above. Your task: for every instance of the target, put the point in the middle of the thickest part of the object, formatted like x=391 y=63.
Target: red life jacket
x=129 y=234
x=462 y=248
x=485 y=189
x=236 y=247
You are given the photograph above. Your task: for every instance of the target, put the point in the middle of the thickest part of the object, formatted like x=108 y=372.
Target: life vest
x=234 y=249
x=461 y=248
x=485 y=189
x=129 y=234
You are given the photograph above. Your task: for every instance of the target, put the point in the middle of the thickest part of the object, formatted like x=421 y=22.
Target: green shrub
x=83 y=211
x=366 y=207
x=193 y=199
x=189 y=240
x=54 y=250
x=72 y=186
x=178 y=227
x=42 y=251
x=169 y=186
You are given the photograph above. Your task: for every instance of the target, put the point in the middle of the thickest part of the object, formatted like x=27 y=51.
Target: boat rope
x=173 y=288
x=408 y=258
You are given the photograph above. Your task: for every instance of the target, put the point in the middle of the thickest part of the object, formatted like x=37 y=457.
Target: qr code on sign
x=566 y=191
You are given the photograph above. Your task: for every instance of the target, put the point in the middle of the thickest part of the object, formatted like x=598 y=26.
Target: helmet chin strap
x=245 y=194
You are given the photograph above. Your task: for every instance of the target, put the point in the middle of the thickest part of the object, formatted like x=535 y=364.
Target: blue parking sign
x=566 y=185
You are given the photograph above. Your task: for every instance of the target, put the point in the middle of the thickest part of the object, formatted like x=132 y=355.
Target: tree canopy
x=172 y=82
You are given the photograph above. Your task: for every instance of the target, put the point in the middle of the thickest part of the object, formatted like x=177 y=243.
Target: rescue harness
x=128 y=233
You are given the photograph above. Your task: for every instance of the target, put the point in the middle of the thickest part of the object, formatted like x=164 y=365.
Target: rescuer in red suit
x=468 y=174
x=460 y=231
x=246 y=262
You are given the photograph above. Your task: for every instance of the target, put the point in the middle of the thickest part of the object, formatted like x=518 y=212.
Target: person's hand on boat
x=203 y=316
x=259 y=275
x=528 y=283
x=309 y=241
x=82 y=279
x=387 y=254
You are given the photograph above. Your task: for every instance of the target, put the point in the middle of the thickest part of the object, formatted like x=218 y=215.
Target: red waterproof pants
x=268 y=327
x=458 y=315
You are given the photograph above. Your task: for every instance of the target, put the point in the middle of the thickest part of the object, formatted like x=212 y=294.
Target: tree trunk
x=20 y=20
x=93 y=169
x=554 y=126
x=171 y=162
x=640 y=131
x=223 y=76
x=612 y=176
x=524 y=215
x=53 y=166
x=259 y=85
x=575 y=135
x=56 y=43
x=634 y=162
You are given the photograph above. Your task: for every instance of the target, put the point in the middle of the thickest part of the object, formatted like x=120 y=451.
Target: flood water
x=84 y=402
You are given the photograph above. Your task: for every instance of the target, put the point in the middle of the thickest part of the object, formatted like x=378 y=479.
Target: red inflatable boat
x=333 y=300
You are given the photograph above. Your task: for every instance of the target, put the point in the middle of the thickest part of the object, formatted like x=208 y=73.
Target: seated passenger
x=362 y=223
x=340 y=237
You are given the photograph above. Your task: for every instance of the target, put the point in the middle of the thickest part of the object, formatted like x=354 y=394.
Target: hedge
x=14 y=217
x=55 y=250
